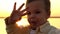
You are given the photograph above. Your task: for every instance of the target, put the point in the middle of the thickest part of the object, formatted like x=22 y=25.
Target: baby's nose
x=32 y=16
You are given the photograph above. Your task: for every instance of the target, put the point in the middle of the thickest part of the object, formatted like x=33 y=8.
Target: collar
x=45 y=27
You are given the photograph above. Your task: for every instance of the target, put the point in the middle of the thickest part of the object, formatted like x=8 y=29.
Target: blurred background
x=6 y=7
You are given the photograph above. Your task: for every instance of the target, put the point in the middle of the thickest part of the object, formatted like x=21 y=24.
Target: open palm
x=17 y=14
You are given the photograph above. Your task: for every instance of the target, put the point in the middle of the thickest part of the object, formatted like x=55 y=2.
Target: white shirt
x=32 y=31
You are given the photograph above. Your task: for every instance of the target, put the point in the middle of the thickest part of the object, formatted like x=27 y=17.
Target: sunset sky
x=6 y=7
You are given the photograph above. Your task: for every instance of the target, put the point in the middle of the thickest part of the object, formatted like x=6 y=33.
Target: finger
x=24 y=14
x=21 y=6
x=14 y=6
x=25 y=9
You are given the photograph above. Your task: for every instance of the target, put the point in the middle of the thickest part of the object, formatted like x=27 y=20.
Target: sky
x=6 y=7
x=55 y=8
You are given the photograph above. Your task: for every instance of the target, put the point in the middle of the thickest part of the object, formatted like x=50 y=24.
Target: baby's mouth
x=33 y=22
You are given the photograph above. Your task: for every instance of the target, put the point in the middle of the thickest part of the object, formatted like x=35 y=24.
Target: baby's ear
x=48 y=13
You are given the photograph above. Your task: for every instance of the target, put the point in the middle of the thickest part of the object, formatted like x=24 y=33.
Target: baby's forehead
x=36 y=3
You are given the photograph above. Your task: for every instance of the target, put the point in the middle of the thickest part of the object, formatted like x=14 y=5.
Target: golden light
x=55 y=8
x=23 y=22
x=6 y=7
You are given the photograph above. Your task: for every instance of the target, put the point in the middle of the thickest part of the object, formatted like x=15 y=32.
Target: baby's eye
x=28 y=13
x=37 y=12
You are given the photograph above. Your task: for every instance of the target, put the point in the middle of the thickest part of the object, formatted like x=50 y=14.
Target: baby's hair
x=47 y=5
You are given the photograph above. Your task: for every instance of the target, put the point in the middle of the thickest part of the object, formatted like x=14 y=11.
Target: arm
x=14 y=29
x=10 y=27
x=15 y=16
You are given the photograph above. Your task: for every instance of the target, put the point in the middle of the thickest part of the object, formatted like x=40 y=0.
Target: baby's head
x=38 y=12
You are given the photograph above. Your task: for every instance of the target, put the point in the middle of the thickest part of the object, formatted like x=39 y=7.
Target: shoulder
x=54 y=30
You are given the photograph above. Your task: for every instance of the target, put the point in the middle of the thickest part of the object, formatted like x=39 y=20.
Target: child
x=38 y=11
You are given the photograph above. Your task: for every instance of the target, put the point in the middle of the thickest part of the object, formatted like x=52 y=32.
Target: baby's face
x=36 y=13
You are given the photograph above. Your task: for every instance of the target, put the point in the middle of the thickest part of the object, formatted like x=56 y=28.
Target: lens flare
x=23 y=23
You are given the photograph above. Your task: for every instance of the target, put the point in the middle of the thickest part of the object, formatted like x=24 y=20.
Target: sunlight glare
x=23 y=22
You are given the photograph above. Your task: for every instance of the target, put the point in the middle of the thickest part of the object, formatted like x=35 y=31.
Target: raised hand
x=17 y=14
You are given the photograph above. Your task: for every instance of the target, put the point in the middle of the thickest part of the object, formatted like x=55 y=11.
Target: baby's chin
x=34 y=26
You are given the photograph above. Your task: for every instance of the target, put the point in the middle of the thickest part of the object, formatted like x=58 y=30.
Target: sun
x=23 y=22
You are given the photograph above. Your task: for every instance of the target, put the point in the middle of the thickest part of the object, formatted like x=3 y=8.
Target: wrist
x=9 y=21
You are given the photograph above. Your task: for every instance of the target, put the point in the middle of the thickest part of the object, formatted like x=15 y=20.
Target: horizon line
x=25 y=17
